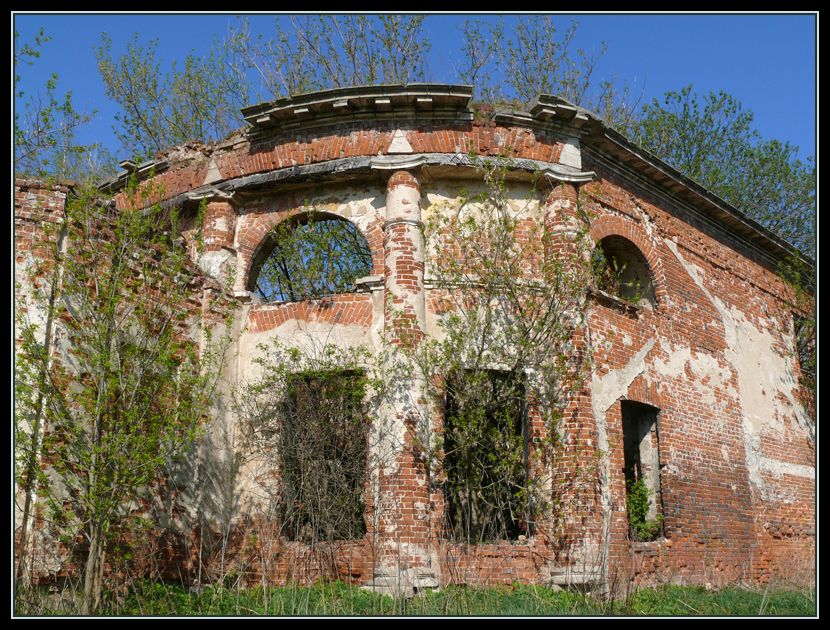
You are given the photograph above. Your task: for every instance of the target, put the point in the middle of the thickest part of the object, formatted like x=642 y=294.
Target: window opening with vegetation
x=310 y=256
x=485 y=457
x=642 y=470
x=621 y=270
x=805 y=346
x=322 y=443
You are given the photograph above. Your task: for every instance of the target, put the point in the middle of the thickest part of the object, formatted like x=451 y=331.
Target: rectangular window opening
x=487 y=497
x=323 y=449
x=642 y=470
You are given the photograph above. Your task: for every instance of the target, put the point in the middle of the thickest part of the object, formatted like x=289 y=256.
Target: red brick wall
x=721 y=524
x=39 y=212
x=718 y=522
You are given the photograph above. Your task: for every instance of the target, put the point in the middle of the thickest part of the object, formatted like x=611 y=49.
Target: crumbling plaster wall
x=718 y=316
x=716 y=357
x=715 y=354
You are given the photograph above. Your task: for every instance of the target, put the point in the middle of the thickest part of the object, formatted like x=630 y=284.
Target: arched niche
x=620 y=269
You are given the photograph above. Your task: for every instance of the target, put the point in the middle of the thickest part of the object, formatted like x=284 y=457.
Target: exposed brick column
x=219 y=223
x=402 y=515
x=404 y=310
x=561 y=221
x=218 y=259
x=578 y=539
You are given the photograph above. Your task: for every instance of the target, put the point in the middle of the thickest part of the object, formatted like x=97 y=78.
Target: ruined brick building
x=695 y=385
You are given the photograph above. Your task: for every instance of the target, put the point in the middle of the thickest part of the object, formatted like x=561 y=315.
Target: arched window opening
x=621 y=270
x=308 y=257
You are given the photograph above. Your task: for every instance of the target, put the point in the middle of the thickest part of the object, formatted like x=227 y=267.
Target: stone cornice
x=423 y=103
x=429 y=101
x=346 y=166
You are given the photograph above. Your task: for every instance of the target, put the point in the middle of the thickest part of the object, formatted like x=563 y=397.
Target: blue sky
x=767 y=61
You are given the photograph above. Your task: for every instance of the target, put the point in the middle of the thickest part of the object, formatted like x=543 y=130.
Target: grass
x=338 y=599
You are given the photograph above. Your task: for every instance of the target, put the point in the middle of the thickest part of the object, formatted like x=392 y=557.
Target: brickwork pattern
x=737 y=499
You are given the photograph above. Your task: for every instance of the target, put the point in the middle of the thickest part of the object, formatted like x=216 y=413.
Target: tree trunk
x=32 y=459
x=88 y=573
x=93 y=573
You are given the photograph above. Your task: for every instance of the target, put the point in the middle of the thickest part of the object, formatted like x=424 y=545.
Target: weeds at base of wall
x=336 y=598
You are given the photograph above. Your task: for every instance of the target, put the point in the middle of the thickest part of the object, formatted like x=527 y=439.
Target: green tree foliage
x=711 y=140
x=802 y=279
x=485 y=428
x=199 y=100
x=123 y=388
x=45 y=123
x=640 y=526
x=313 y=257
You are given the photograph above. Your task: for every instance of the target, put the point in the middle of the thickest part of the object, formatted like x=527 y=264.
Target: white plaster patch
x=213 y=174
x=571 y=154
x=212 y=263
x=779 y=469
x=607 y=389
x=708 y=375
x=399 y=143
x=29 y=298
x=766 y=381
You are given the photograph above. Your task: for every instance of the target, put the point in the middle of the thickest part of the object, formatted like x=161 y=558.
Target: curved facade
x=695 y=387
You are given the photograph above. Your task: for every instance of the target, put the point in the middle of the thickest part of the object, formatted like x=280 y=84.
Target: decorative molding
x=209 y=192
x=397 y=162
x=559 y=173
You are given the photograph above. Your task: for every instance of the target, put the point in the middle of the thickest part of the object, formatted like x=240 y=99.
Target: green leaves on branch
x=316 y=257
x=126 y=388
x=637 y=498
x=45 y=123
x=711 y=140
x=198 y=101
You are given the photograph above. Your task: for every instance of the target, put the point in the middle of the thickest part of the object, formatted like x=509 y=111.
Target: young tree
x=507 y=350
x=159 y=110
x=201 y=101
x=122 y=387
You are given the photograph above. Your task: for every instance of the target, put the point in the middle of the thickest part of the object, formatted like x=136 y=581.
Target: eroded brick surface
x=714 y=354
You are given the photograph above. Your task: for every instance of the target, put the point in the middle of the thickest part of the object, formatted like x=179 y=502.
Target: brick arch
x=252 y=237
x=643 y=391
x=604 y=226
